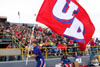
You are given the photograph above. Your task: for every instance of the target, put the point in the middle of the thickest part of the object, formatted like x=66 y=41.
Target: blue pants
x=40 y=63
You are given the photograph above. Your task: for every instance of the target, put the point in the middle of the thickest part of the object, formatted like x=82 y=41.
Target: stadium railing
x=23 y=51
x=17 y=42
x=96 y=50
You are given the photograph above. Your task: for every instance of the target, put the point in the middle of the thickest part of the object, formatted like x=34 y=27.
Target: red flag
x=67 y=18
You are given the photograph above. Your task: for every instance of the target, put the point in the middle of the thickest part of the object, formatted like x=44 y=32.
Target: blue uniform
x=66 y=61
x=39 y=58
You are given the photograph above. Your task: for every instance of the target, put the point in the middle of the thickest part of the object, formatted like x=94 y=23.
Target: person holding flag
x=37 y=55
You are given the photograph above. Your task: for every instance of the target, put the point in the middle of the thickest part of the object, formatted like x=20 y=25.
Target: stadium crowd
x=44 y=36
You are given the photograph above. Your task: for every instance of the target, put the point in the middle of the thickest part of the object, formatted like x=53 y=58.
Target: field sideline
x=51 y=62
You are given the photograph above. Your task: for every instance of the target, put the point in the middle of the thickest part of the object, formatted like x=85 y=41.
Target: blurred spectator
x=92 y=44
x=8 y=57
x=9 y=46
x=51 y=43
x=55 y=49
x=53 y=35
x=60 y=47
x=41 y=44
x=64 y=47
x=65 y=60
x=75 y=49
x=97 y=42
x=70 y=45
x=87 y=49
x=46 y=43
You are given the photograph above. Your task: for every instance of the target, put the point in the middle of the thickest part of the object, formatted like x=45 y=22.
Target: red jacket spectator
x=53 y=35
x=39 y=29
x=43 y=30
x=92 y=42
x=70 y=42
x=64 y=46
x=59 y=46
x=9 y=46
x=16 y=33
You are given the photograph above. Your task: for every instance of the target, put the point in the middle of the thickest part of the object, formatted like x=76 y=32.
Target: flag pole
x=30 y=44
